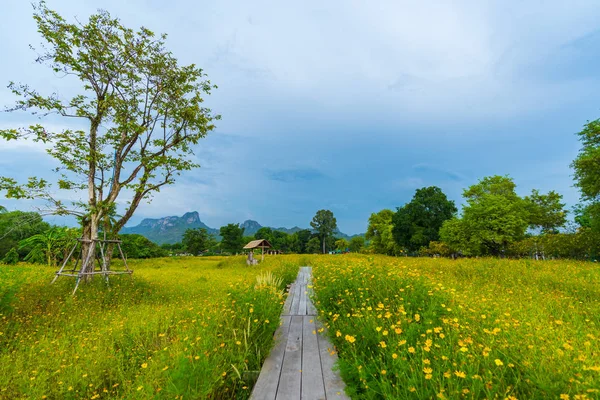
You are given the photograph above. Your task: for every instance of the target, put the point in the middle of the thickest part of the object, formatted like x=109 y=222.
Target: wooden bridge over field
x=300 y=365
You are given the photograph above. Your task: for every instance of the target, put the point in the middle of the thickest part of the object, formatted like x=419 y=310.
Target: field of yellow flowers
x=474 y=328
x=191 y=328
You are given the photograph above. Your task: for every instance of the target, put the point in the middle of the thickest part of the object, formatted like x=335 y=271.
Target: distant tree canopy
x=138 y=246
x=196 y=241
x=341 y=244
x=16 y=226
x=357 y=244
x=379 y=233
x=587 y=174
x=546 y=212
x=314 y=246
x=324 y=225
x=232 y=238
x=50 y=246
x=417 y=223
x=495 y=217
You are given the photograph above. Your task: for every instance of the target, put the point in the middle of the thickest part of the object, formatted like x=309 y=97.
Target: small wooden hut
x=257 y=244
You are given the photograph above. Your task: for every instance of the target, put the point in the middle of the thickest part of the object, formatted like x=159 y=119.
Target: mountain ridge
x=171 y=229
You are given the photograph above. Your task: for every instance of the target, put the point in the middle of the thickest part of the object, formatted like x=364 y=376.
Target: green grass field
x=474 y=328
x=184 y=328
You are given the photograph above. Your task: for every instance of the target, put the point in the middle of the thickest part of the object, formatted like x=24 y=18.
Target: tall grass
x=183 y=328
x=478 y=328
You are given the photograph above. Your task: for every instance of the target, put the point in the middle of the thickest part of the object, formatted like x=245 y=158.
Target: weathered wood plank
x=268 y=380
x=287 y=306
x=302 y=304
x=312 y=373
x=296 y=300
x=290 y=378
x=334 y=386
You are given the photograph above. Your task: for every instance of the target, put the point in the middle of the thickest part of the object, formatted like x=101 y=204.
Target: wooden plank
x=302 y=304
x=334 y=385
x=288 y=302
x=312 y=374
x=268 y=380
x=296 y=300
x=290 y=378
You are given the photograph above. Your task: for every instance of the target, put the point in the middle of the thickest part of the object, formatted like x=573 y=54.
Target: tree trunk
x=90 y=235
x=108 y=254
x=323 y=244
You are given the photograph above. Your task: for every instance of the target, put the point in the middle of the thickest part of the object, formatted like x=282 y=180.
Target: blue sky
x=351 y=105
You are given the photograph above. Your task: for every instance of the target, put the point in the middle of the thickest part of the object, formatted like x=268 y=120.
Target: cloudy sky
x=351 y=105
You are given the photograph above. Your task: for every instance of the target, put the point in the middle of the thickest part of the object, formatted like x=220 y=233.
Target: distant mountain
x=171 y=229
x=250 y=227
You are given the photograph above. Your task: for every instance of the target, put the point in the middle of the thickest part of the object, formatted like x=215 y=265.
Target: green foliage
x=587 y=163
x=494 y=217
x=12 y=257
x=299 y=241
x=324 y=225
x=436 y=249
x=582 y=245
x=51 y=246
x=546 y=211
x=16 y=226
x=313 y=246
x=196 y=241
x=232 y=238
x=356 y=244
x=138 y=246
x=379 y=233
x=341 y=244
x=417 y=223
x=264 y=233
x=144 y=113
x=587 y=174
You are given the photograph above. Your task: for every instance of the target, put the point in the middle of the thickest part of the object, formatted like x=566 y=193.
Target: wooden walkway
x=300 y=365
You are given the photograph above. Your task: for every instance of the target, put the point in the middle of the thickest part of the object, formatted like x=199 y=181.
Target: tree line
x=320 y=239
x=496 y=221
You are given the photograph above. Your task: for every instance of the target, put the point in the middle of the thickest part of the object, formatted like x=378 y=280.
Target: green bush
x=12 y=257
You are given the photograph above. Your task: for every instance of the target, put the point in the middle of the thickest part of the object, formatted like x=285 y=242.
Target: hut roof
x=257 y=244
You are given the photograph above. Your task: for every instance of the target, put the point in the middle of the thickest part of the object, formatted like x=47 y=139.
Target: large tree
x=587 y=171
x=195 y=241
x=379 y=233
x=232 y=238
x=144 y=113
x=546 y=212
x=493 y=218
x=417 y=223
x=324 y=225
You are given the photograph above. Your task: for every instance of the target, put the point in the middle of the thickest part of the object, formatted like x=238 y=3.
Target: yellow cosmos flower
x=498 y=362
x=350 y=339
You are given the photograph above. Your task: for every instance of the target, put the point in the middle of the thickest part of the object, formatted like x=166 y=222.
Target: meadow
x=190 y=327
x=473 y=328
